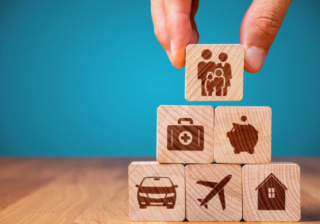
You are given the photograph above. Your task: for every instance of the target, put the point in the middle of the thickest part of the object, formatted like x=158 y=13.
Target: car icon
x=156 y=191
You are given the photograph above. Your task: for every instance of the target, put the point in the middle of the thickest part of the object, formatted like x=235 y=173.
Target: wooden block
x=242 y=135
x=156 y=192
x=185 y=134
x=213 y=192
x=214 y=72
x=271 y=192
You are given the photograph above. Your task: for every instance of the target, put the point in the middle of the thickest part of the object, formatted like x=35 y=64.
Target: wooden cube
x=214 y=72
x=185 y=134
x=271 y=192
x=156 y=192
x=213 y=192
x=242 y=135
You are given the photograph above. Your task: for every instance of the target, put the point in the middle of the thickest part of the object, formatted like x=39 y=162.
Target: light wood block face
x=213 y=192
x=156 y=192
x=271 y=192
x=214 y=72
x=242 y=135
x=185 y=134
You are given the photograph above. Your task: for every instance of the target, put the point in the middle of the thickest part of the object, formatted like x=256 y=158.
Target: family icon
x=215 y=77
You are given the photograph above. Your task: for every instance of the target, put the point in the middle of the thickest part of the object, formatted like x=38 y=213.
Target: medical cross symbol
x=185 y=137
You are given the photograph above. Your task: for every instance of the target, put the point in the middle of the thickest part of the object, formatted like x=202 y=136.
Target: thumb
x=259 y=27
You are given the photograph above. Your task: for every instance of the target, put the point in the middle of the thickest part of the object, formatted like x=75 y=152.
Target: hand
x=175 y=28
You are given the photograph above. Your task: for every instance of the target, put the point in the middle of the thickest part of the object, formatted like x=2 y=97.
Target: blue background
x=85 y=78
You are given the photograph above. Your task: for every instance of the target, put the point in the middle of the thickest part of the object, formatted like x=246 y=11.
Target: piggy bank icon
x=243 y=137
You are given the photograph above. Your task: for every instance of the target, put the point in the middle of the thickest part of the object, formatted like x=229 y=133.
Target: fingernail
x=171 y=43
x=178 y=57
x=179 y=64
x=255 y=57
x=169 y=55
x=172 y=52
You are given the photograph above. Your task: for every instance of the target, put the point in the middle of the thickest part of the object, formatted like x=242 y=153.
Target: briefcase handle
x=185 y=119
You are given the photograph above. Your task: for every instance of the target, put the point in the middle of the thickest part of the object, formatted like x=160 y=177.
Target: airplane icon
x=217 y=189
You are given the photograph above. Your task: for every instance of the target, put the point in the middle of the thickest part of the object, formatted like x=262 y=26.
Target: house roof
x=274 y=177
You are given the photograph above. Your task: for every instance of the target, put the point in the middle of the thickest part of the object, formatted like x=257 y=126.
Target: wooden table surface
x=95 y=190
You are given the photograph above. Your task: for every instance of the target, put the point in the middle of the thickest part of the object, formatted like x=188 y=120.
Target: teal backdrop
x=85 y=78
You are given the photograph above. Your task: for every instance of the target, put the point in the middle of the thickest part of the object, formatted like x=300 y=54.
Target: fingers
x=259 y=27
x=179 y=28
x=175 y=27
x=160 y=25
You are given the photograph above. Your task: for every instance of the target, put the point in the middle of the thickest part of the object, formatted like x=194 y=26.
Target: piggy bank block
x=242 y=135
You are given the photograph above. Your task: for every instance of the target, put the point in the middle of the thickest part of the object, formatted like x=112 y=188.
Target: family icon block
x=214 y=72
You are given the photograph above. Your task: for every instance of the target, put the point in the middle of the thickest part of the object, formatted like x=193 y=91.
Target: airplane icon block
x=214 y=192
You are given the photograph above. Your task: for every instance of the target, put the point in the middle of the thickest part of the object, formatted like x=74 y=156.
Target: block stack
x=214 y=164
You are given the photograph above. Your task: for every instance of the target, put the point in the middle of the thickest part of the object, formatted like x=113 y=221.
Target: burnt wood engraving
x=271 y=194
x=217 y=188
x=185 y=137
x=215 y=77
x=156 y=191
x=243 y=137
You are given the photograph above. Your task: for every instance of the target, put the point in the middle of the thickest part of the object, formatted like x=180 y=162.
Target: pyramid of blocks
x=214 y=164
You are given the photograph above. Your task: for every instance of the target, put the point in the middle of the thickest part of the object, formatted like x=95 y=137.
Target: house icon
x=271 y=194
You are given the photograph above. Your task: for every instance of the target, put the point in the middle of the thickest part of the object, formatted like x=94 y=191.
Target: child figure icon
x=215 y=83
x=215 y=77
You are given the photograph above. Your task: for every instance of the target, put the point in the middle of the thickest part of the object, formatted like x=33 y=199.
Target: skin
x=175 y=28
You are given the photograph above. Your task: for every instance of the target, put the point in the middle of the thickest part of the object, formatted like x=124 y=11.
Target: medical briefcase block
x=185 y=134
x=185 y=137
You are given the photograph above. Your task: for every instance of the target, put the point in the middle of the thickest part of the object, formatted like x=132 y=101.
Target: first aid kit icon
x=187 y=137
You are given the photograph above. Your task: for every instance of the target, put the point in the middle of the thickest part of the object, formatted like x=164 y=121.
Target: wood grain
x=286 y=188
x=109 y=201
x=170 y=115
x=155 y=180
x=198 y=67
x=71 y=195
x=232 y=134
x=214 y=211
x=26 y=171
